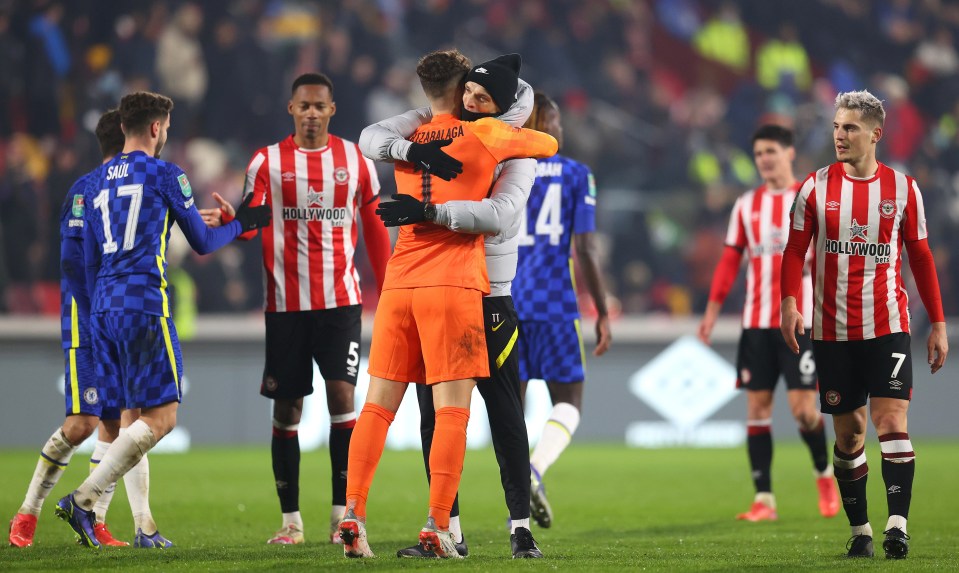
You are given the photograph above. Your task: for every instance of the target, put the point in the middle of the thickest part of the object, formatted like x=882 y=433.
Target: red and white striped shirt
x=859 y=226
x=759 y=226
x=315 y=194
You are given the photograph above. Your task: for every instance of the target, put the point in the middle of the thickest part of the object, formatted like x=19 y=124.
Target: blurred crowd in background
x=659 y=98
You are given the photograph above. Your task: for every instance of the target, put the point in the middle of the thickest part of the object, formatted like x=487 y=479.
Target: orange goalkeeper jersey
x=430 y=255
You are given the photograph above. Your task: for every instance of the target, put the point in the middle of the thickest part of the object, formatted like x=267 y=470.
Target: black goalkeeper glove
x=405 y=210
x=432 y=159
x=252 y=218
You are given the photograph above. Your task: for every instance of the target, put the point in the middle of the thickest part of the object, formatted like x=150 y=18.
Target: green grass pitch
x=615 y=509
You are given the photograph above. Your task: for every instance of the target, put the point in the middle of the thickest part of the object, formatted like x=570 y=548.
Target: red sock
x=446 y=461
x=366 y=448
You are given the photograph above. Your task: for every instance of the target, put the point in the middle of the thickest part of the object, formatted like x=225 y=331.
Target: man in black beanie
x=495 y=80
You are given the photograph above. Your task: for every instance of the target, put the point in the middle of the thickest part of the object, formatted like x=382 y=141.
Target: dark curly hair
x=441 y=70
x=139 y=110
x=109 y=134
x=541 y=102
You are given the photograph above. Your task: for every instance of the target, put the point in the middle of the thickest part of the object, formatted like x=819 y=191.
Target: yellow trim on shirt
x=161 y=258
x=74 y=324
x=509 y=348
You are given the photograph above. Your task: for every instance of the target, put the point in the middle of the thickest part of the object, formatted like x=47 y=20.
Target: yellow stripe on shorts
x=169 y=351
x=509 y=348
x=74 y=383
x=582 y=347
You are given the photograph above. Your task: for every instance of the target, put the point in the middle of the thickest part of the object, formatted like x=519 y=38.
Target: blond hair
x=869 y=106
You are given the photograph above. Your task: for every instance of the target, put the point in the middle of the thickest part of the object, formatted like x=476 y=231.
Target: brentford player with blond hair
x=757 y=229
x=861 y=214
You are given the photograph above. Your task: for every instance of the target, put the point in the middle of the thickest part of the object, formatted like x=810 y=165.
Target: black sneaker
x=523 y=544
x=896 y=544
x=417 y=551
x=859 y=546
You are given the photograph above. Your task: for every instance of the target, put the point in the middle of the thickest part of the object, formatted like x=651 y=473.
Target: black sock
x=340 y=434
x=851 y=474
x=286 y=468
x=816 y=442
x=898 y=480
x=759 y=444
x=898 y=471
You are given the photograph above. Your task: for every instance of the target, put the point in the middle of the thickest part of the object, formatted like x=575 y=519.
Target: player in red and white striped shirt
x=861 y=214
x=758 y=227
x=316 y=184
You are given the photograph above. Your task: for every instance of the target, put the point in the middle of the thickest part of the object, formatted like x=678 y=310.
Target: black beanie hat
x=500 y=77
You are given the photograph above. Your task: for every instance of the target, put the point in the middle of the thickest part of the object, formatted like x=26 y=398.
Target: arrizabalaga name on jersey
x=428 y=136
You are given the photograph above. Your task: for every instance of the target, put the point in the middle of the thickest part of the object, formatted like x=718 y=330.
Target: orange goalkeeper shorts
x=429 y=334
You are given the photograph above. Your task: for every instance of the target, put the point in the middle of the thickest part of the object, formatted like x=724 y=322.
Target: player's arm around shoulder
x=386 y=140
x=497 y=213
x=506 y=142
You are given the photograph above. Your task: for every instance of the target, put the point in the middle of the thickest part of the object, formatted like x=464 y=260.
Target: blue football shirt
x=561 y=204
x=129 y=212
x=74 y=324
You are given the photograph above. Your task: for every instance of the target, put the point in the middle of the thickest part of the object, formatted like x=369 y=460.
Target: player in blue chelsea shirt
x=560 y=212
x=130 y=209
x=88 y=399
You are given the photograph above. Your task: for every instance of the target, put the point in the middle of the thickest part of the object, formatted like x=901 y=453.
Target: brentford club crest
x=833 y=397
x=887 y=208
x=341 y=175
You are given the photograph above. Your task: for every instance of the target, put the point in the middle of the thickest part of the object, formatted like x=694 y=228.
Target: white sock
x=293 y=518
x=896 y=521
x=766 y=498
x=54 y=457
x=123 y=454
x=102 y=504
x=514 y=523
x=456 y=529
x=336 y=514
x=557 y=434
x=826 y=473
x=862 y=529
x=137 y=482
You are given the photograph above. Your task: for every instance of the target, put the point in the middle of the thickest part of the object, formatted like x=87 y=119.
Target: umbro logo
x=894 y=489
x=481 y=70
x=848 y=501
x=288 y=176
x=895 y=384
x=832 y=206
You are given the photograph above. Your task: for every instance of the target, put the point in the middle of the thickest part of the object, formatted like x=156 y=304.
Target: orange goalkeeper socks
x=366 y=448
x=446 y=461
